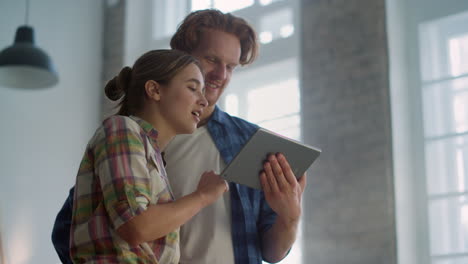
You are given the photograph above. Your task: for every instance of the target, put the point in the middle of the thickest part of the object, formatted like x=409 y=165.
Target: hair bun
x=119 y=85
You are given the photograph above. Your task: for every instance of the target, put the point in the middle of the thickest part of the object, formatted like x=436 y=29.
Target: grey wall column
x=113 y=47
x=349 y=212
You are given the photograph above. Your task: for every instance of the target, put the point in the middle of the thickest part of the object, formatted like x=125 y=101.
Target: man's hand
x=283 y=193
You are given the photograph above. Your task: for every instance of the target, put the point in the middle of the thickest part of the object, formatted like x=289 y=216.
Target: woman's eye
x=192 y=88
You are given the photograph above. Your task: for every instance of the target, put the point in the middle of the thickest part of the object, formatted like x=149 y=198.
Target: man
x=247 y=225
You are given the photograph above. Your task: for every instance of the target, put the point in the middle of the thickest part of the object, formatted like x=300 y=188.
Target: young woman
x=124 y=210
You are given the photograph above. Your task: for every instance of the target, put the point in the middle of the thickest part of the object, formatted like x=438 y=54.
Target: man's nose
x=202 y=100
x=220 y=72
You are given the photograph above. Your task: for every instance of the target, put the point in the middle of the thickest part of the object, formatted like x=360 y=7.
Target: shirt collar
x=147 y=128
x=218 y=115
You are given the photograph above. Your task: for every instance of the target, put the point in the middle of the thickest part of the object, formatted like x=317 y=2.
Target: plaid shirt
x=251 y=216
x=121 y=174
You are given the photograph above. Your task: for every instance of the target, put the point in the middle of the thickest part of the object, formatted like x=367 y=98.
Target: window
x=444 y=74
x=167 y=15
x=278 y=24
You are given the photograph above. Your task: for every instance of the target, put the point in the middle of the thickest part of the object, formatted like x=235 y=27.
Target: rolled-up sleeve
x=122 y=170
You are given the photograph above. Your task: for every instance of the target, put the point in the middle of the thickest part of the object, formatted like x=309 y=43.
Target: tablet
x=246 y=166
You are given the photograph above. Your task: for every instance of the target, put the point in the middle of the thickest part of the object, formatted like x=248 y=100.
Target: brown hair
x=157 y=65
x=189 y=32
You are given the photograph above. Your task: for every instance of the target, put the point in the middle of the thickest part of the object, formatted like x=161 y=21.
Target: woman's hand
x=210 y=187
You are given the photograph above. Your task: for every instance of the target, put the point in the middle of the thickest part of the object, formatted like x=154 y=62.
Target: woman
x=124 y=210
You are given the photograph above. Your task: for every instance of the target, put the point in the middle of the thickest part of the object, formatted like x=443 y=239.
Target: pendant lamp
x=23 y=64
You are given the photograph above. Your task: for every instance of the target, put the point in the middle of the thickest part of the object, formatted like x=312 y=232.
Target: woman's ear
x=153 y=90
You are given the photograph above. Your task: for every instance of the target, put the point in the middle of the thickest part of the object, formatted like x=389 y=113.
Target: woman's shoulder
x=119 y=123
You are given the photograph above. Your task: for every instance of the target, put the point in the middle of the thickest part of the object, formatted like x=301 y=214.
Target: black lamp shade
x=24 y=65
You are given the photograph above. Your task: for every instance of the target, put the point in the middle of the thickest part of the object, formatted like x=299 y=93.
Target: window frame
x=442 y=44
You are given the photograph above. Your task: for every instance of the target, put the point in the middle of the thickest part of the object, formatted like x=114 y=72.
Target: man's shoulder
x=235 y=122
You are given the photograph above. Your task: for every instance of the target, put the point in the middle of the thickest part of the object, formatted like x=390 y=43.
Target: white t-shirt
x=206 y=238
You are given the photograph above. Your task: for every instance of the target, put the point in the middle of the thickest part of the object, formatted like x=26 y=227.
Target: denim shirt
x=250 y=214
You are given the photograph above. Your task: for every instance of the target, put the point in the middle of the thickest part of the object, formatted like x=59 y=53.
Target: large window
x=266 y=92
x=444 y=79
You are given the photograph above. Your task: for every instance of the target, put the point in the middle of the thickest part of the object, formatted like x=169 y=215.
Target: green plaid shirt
x=121 y=174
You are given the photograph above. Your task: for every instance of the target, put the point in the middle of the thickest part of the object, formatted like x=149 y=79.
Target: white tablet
x=246 y=166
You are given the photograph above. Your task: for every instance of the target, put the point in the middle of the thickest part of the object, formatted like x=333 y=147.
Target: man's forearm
x=278 y=240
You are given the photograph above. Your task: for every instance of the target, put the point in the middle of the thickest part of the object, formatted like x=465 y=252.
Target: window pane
x=458 y=49
x=448 y=219
x=267 y=2
x=273 y=101
x=276 y=25
x=447 y=165
x=231 y=6
x=167 y=15
x=288 y=126
x=268 y=96
x=446 y=107
x=459 y=260
x=444 y=47
x=200 y=4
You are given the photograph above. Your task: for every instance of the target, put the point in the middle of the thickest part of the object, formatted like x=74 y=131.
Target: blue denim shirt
x=251 y=216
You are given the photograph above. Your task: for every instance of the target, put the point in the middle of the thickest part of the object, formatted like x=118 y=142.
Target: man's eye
x=192 y=88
